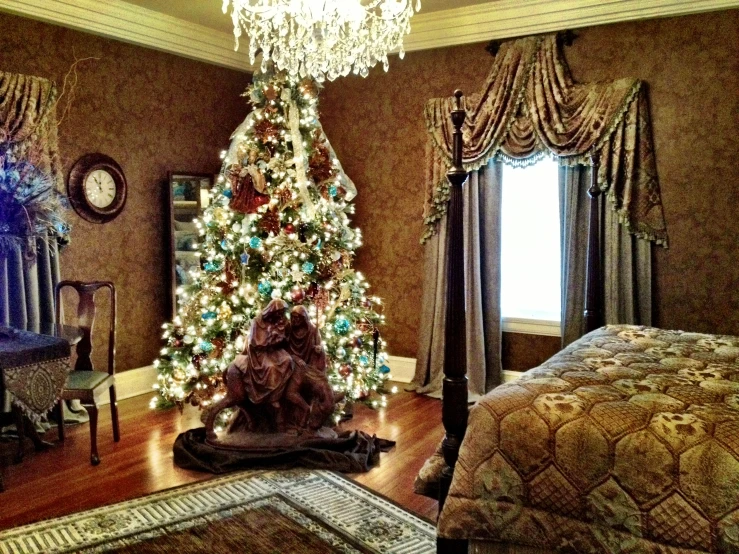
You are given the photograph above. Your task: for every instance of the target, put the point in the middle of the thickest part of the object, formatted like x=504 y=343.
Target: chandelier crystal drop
x=322 y=38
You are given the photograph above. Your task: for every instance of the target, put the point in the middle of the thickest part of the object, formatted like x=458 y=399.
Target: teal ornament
x=341 y=325
x=212 y=267
x=244 y=258
x=384 y=369
x=209 y=315
x=264 y=288
x=224 y=244
x=308 y=268
x=227 y=193
x=332 y=190
x=255 y=242
x=364 y=360
x=206 y=346
x=318 y=244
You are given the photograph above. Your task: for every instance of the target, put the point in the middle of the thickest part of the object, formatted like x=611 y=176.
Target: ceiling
x=208 y=12
x=198 y=29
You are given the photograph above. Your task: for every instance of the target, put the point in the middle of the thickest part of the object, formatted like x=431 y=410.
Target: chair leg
x=59 y=412
x=114 y=415
x=92 y=409
x=20 y=425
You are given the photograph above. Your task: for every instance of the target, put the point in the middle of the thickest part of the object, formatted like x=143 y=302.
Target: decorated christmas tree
x=277 y=226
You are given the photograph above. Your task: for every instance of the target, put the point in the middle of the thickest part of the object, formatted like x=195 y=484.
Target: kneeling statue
x=279 y=382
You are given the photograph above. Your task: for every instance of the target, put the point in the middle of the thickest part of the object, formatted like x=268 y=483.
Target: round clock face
x=100 y=188
x=97 y=188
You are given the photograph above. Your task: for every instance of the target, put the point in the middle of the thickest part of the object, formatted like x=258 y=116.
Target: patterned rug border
x=307 y=488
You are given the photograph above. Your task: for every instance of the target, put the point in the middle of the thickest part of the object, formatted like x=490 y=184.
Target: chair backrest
x=86 y=319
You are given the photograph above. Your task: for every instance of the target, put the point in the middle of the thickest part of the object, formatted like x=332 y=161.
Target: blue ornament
x=341 y=325
x=332 y=190
x=264 y=288
x=224 y=244
x=227 y=193
x=255 y=242
x=384 y=369
x=244 y=258
x=212 y=267
x=209 y=315
x=364 y=360
x=206 y=346
x=318 y=244
x=308 y=268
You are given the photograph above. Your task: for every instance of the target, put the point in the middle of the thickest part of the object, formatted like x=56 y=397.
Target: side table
x=33 y=369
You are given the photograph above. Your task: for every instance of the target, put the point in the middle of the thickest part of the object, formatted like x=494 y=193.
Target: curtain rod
x=565 y=38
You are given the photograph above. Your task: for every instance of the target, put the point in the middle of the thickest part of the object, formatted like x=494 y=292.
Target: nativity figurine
x=279 y=383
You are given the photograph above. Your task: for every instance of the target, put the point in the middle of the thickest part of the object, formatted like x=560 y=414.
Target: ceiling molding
x=513 y=18
x=121 y=20
x=130 y=23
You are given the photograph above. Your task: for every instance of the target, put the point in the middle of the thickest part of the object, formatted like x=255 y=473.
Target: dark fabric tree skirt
x=350 y=452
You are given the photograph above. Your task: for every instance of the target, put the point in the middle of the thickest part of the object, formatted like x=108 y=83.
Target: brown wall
x=152 y=112
x=690 y=64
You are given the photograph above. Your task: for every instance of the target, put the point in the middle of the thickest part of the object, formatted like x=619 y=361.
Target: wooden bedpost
x=454 y=402
x=593 y=284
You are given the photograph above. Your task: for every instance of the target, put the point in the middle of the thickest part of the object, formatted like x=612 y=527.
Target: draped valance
x=530 y=107
x=28 y=125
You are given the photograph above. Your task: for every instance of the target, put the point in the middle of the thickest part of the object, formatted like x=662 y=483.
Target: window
x=530 y=249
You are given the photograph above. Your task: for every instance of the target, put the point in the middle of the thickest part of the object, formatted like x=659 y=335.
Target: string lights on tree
x=277 y=226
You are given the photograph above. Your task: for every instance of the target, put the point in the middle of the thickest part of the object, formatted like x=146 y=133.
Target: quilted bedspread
x=626 y=441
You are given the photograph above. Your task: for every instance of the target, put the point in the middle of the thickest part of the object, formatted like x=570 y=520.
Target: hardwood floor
x=62 y=481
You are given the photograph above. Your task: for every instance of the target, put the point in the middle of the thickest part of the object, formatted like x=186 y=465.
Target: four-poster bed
x=625 y=441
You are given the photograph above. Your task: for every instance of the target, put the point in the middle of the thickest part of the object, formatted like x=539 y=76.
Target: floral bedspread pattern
x=626 y=441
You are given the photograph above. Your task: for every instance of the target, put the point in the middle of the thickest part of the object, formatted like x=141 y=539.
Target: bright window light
x=530 y=249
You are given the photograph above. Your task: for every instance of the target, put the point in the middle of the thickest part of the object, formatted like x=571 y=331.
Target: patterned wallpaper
x=152 y=112
x=691 y=65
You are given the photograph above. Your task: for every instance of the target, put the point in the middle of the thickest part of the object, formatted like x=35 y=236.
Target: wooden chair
x=84 y=383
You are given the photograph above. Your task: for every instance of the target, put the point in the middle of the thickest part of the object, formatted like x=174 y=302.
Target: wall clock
x=97 y=188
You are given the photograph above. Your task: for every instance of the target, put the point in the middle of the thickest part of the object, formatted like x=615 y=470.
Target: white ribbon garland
x=299 y=157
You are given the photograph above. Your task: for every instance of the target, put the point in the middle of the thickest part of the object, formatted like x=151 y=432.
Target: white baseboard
x=133 y=382
x=136 y=382
x=403 y=370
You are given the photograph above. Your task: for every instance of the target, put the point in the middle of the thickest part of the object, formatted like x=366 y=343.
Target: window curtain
x=482 y=195
x=529 y=107
x=626 y=260
x=28 y=130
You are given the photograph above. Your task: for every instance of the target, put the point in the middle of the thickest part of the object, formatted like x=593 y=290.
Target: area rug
x=301 y=511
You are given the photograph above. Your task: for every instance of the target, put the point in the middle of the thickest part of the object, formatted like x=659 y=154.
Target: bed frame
x=454 y=402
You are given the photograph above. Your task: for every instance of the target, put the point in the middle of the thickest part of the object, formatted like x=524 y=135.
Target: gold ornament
x=224 y=311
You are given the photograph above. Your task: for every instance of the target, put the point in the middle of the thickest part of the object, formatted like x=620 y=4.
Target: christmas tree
x=277 y=226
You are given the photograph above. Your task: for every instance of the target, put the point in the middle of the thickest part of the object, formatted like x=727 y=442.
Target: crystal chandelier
x=322 y=38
